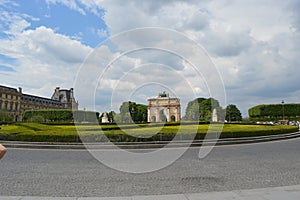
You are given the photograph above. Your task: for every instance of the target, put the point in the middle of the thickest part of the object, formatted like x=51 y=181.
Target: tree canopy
x=201 y=109
x=233 y=113
x=132 y=112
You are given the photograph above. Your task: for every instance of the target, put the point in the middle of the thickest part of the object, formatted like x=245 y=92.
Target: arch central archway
x=164 y=108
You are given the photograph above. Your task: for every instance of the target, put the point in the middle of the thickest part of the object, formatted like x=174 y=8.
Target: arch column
x=157 y=115
x=169 y=115
x=148 y=115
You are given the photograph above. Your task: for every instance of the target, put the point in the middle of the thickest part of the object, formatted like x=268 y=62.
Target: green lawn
x=69 y=133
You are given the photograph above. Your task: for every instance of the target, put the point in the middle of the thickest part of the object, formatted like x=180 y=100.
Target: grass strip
x=34 y=132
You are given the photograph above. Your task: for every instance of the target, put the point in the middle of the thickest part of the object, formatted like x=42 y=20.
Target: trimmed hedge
x=44 y=133
x=275 y=112
x=61 y=115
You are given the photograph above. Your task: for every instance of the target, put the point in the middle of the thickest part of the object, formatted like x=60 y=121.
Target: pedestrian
x=2 y=150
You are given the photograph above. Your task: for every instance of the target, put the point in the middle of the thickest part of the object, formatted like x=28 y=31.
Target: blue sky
x=62 y=19
x=253 y=45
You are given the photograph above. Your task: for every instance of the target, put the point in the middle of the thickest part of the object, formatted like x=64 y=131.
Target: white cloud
x=44 y=58
x=265 y=18
x=253 y=43
x=72 y=4
x=102 y=33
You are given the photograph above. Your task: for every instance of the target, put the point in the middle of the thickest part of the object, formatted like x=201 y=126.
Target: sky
x=249 y=50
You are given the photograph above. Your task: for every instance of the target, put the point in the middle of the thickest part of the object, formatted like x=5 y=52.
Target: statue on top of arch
x=163 y=94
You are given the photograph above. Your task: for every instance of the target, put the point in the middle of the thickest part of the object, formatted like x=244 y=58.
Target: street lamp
x=282 y=109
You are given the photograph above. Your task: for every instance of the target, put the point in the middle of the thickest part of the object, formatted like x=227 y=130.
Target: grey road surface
x=76 y=173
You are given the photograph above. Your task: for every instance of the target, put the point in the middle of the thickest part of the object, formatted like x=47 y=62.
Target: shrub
x=60 y=116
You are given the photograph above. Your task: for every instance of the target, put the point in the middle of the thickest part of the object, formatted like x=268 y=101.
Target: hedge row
x=60 y=116
x=198 y=136
x=36 y=137
x=275 y=111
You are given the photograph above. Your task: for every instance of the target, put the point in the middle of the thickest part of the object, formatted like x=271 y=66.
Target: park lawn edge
x=35 y=132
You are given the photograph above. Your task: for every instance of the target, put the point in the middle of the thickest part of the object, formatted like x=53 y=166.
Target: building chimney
x=71 y=93
x=20 y=89
x=56 y=94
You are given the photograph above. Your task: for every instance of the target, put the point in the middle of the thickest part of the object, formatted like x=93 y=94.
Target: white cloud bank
x=253 y=43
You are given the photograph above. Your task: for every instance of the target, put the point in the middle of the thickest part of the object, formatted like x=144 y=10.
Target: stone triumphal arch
x=163 y=108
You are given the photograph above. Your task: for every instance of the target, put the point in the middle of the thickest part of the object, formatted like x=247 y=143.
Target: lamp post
x=282 y=109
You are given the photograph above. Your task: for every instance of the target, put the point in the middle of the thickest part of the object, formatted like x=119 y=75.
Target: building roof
x=29 y=96
x=8 y=89
x=64 y=96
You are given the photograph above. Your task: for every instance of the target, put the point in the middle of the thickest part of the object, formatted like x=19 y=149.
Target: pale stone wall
x=10 y=101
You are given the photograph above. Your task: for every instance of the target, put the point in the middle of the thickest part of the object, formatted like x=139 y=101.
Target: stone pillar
x=148 y=115
x=13 y=105
x=169 y=115
x=157 y=115
x=177 y=114
x=215 y=115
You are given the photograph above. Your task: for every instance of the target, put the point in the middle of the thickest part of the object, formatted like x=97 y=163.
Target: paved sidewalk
x=276 y=193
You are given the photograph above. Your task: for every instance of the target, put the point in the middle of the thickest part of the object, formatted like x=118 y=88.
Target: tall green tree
x=111 y=116
x=192 y=112
x=125 y=111
x=233 y=113
x=201 y=109
x=140 y=113
x=131 y=112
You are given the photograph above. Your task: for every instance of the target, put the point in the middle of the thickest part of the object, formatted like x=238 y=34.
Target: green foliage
x=131 y=112
x=233 y=113
x=131 y=133
x=274 y=112
x=117 y=118
x=111 y=117
x=5 y=117
x=192 y=111
x=200 y=109
x=125 y=111
x=59 y=116
x=140 y=113
x=85 y=116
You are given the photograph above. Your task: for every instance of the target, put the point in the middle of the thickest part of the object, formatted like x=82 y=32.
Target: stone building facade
x=163 y=108
x=10 y=101
x=15 y=103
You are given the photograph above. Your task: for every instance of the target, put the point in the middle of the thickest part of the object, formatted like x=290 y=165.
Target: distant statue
x=214 y=115
x=104 y=119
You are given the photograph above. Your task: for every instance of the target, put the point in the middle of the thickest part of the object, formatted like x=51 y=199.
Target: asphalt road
x=76 y=173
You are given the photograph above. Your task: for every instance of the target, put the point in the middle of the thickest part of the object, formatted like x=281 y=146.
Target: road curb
x=148 y=145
